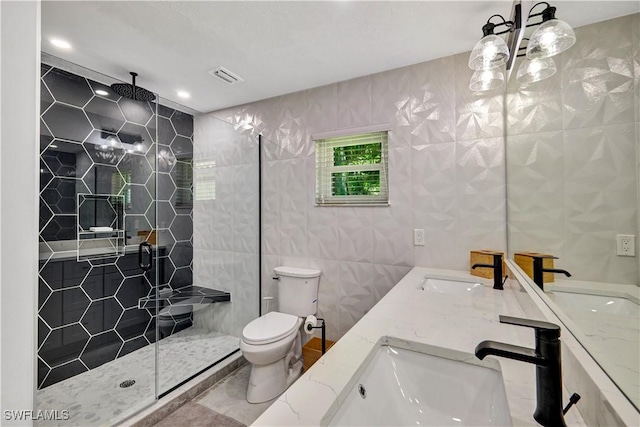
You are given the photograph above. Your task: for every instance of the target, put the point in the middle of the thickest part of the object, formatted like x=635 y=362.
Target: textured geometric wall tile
x=386 y=277
x=480 y=173
x=355 y=293
x=355 y=234
x=245 y=306
x=536 y=107
x=535 y=192
x=393 y=88
x=441 y=235
x=478 y=114
x=323 y=233
x=433 y=102
x=328 y=301
x=598 y=75
x=354 y=103
x=321 y=108
x=601 y=200
x=433 y=178
x=392 y=243
x=294 y=236
x=293 y=186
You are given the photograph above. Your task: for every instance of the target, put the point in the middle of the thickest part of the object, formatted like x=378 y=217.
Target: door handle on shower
x=145 y=248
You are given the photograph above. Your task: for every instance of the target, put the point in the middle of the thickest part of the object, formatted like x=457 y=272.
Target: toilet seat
x=269 y=328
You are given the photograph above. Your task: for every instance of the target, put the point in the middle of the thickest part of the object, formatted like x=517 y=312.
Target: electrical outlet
x=418 y=237
x=626 y=244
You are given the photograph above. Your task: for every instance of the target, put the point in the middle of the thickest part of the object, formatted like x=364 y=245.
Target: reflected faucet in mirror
x=497 y=270
x=539 y=270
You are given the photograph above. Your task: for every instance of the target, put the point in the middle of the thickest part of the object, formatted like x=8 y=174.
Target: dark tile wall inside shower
x=93 y=141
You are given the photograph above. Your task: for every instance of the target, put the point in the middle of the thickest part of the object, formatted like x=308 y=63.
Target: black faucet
x=497 y=270
x=539 y=270
x=546 y=357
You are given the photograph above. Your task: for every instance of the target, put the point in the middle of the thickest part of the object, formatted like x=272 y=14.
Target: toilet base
x=268 y=382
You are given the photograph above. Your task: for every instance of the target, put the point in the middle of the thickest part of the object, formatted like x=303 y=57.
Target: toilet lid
x=269 y=328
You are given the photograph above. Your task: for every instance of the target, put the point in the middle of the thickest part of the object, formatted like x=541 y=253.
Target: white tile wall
x=446 y=176
x=226 y=229
x=447 y=160
x=572 y=155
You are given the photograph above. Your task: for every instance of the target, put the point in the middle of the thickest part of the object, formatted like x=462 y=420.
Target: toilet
x=272 y=343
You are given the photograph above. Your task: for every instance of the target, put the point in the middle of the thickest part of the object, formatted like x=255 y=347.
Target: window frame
x=324 y=172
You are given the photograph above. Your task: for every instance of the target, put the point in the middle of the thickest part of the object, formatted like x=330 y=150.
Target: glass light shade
x=483 y=80
x=490 y=52
x=531 y=71
x=553 y=37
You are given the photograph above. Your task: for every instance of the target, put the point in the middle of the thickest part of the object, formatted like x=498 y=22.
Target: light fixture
x=102 y=92
x=531 y=71
x=62 y=44
x=491 y=51
x=483 y=80
x=183 y=94
x=553 y=37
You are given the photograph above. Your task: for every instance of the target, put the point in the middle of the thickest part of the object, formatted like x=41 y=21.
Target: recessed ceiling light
x=102 y=92
x=183 y=94
x=62 y=44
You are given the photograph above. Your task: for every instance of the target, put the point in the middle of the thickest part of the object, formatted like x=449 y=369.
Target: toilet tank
x=297 y=290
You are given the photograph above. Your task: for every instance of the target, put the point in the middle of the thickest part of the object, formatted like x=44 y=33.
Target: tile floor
x=95 y=398
x=223 y=404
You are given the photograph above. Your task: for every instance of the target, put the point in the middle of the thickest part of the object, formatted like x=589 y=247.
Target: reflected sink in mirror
x=603 y=304
x=403 y=383
x=451 y=286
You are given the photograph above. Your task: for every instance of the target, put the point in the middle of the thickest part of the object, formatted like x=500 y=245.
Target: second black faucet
x=497 y=270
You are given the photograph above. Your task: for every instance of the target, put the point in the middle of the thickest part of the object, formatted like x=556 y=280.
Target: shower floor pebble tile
x=95 y=398
x=229 y=397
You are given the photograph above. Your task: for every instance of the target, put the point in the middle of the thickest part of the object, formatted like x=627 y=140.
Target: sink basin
x=451 y=286
x=430 y=386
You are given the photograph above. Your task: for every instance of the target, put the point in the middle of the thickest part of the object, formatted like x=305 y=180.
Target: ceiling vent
x=226 y=75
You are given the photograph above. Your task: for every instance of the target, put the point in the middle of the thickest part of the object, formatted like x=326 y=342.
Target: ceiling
x=276 y=47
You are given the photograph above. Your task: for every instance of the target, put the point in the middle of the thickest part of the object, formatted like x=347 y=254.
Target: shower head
x=132 y=91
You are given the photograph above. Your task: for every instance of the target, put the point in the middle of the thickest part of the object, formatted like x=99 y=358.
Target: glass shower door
x=98 y=249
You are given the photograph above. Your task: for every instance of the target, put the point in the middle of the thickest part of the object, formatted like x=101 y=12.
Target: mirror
x=572 y=188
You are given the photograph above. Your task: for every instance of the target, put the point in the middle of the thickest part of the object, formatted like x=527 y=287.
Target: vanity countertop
x=454 y=322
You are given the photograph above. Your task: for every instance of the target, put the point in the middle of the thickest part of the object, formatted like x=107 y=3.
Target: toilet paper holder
x=324 y=337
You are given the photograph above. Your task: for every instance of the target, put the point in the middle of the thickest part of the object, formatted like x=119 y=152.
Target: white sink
x=428 y=386
x=451 y=286
x=595 y=303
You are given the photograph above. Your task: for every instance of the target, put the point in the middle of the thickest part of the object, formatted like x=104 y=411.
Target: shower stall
x=149 y=244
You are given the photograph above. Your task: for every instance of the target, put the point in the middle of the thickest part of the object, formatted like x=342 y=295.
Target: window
x=352 y=170
x=184 y=181
x=205 y=180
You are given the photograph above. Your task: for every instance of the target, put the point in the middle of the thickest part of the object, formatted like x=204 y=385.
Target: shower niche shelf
x=100 y=225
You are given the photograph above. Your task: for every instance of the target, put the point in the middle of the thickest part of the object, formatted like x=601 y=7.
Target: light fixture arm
x=547 y=14
x=489 y=27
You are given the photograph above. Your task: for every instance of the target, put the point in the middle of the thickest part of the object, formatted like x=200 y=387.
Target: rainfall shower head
x=132 y=91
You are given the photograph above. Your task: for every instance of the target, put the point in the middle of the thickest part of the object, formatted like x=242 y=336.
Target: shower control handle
x=145 y=248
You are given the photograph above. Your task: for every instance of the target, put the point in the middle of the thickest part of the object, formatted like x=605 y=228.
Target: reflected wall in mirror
x=572 y=185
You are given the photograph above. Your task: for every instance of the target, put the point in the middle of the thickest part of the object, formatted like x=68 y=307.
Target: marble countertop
x=453 y=322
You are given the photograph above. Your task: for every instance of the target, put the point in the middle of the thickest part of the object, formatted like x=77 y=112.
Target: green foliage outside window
x=357 y=183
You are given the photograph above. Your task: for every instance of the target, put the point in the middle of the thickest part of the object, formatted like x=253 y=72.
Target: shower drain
x=127 y=383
